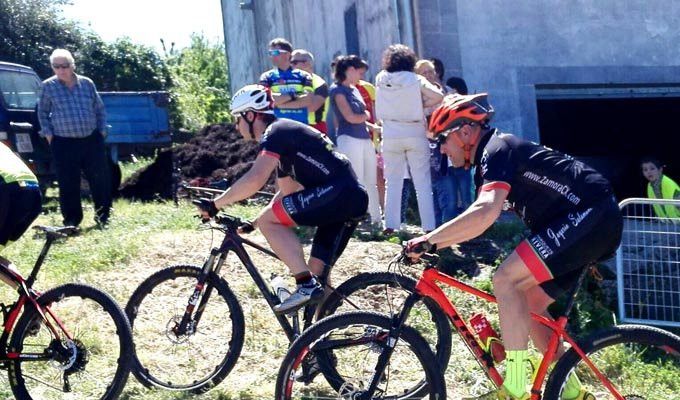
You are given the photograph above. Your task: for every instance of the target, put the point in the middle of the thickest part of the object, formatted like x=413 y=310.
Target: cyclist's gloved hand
x=206 y=207
x=247 y=227
x=417 y=246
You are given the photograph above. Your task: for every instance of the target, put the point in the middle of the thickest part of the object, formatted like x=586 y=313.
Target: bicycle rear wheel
x=202 y=357
x=385 y=292
x=642 y=363
x=93 y=364
x=350 y=344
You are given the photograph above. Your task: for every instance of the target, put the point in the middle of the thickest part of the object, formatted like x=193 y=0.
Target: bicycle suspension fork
x=392 y=339
x=188 y=323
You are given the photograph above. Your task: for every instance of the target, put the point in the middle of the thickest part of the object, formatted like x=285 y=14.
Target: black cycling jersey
x=304 y=153
x=332 y=195
x=543 y=183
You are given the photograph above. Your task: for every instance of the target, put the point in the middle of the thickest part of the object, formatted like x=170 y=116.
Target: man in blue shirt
x=291 y=89
x=73 y=120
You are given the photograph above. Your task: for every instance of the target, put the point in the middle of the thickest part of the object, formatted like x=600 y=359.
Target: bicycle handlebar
x=429 y=258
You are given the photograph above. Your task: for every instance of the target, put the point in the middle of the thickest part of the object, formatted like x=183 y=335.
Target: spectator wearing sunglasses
x=73 y=120
x=318 y=105
x=291 y=88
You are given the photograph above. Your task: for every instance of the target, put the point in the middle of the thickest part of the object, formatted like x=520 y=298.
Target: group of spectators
x=381 y=128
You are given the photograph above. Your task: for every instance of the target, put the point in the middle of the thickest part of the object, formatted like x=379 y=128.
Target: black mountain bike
x=71 y=342
x=189 y=327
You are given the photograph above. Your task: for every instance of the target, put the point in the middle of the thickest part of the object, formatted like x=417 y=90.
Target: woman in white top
x=401 y=97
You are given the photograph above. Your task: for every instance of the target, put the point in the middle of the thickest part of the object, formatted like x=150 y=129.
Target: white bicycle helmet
x=252 y=98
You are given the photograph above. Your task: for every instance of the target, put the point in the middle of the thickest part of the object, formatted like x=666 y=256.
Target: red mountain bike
x=367 y=353
x=71 y=342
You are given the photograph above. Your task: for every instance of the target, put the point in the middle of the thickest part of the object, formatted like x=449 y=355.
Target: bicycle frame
x=28 y=296
x=233 y=242
x=427 y=287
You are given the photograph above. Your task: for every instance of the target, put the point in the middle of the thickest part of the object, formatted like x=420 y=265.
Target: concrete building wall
x=318 y=26
x=507 y=48
x=504 y=47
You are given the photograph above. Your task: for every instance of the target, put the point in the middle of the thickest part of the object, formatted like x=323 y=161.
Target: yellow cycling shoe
x=582 y=395
x=503 y=394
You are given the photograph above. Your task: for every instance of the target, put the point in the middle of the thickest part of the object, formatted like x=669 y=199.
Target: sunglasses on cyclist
x=444 y=135
x=296 y=62
x=277 y=52
x=61 y=66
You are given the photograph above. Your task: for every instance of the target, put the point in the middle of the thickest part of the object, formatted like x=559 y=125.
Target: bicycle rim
x=198 y=359
x=382 y=292
x=350 y=349
x=639 y=364
x=94 y=364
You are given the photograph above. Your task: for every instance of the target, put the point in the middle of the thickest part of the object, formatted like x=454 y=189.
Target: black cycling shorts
x=557 y=253
x=329 y=207
x=20 y=204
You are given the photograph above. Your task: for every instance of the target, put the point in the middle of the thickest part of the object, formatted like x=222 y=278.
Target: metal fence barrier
x=648 y=264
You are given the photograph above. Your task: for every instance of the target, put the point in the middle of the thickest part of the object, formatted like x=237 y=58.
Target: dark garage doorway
x=612 y=134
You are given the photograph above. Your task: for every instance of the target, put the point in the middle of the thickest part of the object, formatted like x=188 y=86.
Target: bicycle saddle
x=57 y=231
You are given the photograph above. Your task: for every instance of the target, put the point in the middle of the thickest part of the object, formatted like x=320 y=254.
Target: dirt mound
x=152 y=182
x=217 y=153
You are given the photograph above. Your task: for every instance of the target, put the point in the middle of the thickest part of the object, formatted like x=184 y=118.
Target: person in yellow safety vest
x=660 y=186
x=318 y=106
x=20 y=197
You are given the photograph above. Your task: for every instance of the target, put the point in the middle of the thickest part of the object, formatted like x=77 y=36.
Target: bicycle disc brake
x=171 y=330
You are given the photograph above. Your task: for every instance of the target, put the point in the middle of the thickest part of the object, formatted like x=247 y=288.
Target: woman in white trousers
x=353 y=137
x=401 y=96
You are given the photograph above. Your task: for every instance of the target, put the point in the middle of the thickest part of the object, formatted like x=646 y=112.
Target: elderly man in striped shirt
x=73 y=120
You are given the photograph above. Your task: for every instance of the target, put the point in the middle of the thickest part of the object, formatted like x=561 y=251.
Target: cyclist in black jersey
x=317 y=187
x=569 y=207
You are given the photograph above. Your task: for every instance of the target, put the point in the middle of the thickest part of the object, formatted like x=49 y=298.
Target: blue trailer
x=134 y=119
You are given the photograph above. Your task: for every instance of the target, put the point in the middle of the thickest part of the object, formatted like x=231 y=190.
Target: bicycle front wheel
x=349 y=345
x=87 y=358
x=641 y=362
x=203 y=355
x=385 y=292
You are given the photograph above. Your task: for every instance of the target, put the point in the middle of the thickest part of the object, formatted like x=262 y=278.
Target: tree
x=200 y=86
x=123 y=65
x=31 y=29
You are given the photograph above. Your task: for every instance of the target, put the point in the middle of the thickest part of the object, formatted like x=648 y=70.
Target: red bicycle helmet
x=455 y=112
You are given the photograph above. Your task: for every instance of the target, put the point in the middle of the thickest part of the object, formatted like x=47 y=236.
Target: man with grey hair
x=73 y=120
x=318 y=106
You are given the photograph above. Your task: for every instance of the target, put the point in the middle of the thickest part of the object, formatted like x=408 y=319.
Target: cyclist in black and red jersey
x=569 y=207
x=317 y=187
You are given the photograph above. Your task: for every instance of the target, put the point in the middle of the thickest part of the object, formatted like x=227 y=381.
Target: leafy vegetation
x=196 y=76
x=200 y=91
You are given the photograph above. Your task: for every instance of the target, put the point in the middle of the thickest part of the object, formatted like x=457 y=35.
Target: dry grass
x=143 y=238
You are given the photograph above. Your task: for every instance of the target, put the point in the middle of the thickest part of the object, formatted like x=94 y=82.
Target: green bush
x=200 y=92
